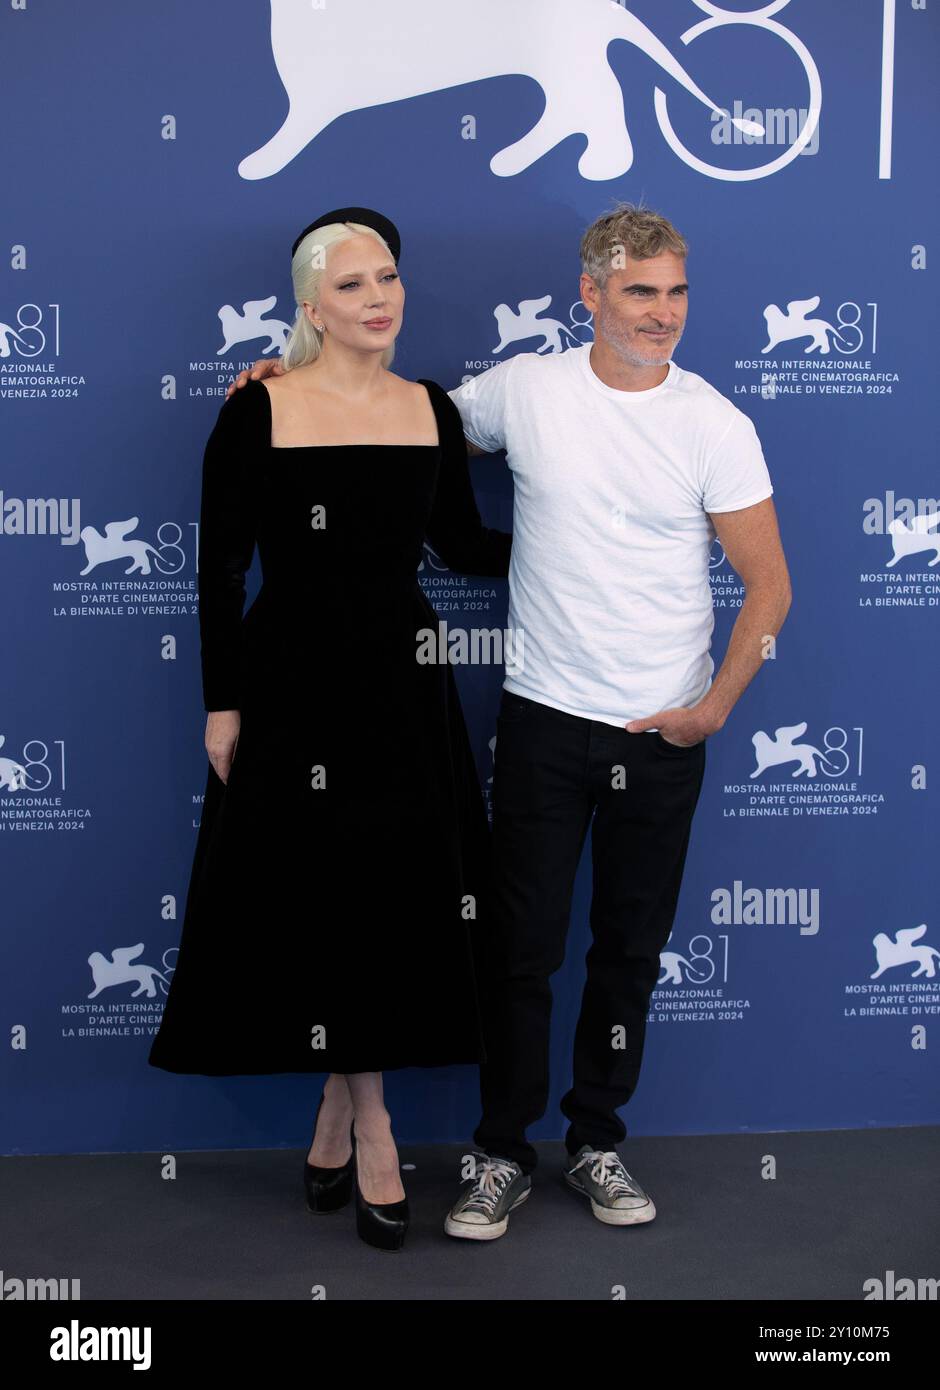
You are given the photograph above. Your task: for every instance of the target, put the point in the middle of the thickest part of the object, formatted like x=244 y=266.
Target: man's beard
x=629 y=353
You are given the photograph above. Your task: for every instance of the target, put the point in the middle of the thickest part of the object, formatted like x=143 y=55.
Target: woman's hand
x=222 y=729
x=265 y=366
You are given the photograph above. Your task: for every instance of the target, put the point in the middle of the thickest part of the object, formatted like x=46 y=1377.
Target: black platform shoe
x=382 y=1224
x=329 y=1189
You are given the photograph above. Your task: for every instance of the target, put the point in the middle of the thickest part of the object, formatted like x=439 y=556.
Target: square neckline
x=277 y=448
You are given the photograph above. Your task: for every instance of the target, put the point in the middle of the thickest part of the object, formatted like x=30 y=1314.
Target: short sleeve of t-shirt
x=736 y=474
x=483 y=404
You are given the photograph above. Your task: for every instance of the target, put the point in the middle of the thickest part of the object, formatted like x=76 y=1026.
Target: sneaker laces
x=490 y=1178
x=608 y=1171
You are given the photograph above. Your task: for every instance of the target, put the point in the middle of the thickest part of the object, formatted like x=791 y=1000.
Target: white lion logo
x=118 y=971
x=902 y=951
x=345 y=57
x=244 y=327
x=114 y=545
x=671 y=963
x=772 y=752
x=12 y=775
x=911 y=540
x=518 y=327
x=783 y=328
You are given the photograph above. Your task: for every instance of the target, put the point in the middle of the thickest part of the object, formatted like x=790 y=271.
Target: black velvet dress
x=340 y=878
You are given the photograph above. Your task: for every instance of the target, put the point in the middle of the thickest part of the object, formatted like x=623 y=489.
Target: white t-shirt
x=609 y=576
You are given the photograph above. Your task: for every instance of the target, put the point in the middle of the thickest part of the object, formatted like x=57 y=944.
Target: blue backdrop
x=159 y=161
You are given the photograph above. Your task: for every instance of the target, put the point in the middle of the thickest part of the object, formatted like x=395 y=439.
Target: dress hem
x=323 y=1069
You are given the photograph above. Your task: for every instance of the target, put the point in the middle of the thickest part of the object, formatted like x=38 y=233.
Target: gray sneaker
x=481 y=1212
x=616 y=1198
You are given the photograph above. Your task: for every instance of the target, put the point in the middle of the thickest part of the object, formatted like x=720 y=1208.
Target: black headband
x=386 y=229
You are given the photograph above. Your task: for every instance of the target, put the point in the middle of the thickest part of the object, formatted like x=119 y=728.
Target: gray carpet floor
x=845 y=1206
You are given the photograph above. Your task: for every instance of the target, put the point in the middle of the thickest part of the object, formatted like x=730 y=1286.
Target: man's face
x=641 y=310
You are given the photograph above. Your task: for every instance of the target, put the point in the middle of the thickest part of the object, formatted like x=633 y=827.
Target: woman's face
x=361 y=295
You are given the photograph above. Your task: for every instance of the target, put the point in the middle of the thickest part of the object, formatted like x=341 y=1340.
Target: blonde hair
x=627 y=230
x=304 y=342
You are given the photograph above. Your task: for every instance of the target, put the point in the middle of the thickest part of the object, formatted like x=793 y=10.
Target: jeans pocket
x=676 y=748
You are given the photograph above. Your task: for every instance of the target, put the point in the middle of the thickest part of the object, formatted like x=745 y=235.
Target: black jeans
x=553 y=772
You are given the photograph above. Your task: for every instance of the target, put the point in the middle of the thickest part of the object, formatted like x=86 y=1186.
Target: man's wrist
x=713 y=712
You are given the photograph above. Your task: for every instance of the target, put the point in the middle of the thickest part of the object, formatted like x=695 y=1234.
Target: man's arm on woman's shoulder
x=265 y=366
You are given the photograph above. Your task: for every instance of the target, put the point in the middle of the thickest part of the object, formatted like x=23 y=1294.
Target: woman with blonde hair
x=340 y=871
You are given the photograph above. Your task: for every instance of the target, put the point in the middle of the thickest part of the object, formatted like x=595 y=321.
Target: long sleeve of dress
x=226 y=547
x=454 y=527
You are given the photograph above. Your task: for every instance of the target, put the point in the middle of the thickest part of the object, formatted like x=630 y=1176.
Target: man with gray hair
x=625 y=469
